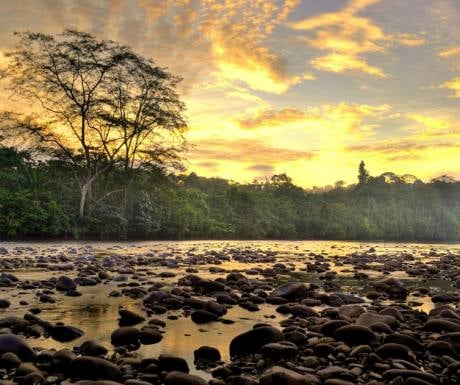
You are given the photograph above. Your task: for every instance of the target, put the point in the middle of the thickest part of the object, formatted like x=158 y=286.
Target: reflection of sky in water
x=96 y=313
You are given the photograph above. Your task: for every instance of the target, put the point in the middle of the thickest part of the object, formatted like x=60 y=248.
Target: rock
x=129 y=318
x=278 y=375
x=207 y=353
x=406 y=373
x=63 y=333
x=65 y=283
x=179 y=378
x=15 y=344
x=393 y=350
x=4 y=304
x=332 y=372
x=9 y=360
x=369 y=319
x=351 y=312
x=405 y=340
x=125 y=336
x=354 y=335
x=393 y=287
x=62 y=360
x=253 y=340
x=303 y=311
x=171 y=363
x=150 y=335
x=94 y=368
x=441 y=348
x=328 y=329
x=203 y=316
x=440 y=325
x=92 y=348
x=278 y=350
x=290 y=291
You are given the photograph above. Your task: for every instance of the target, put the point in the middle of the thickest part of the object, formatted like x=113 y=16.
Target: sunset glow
x=306 y=87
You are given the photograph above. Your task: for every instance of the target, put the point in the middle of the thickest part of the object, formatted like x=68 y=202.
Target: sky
x=304 y=87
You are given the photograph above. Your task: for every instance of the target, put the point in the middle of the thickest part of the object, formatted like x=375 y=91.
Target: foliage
x=39 y=198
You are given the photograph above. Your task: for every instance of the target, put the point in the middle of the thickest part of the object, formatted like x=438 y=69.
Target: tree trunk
x=83 y=195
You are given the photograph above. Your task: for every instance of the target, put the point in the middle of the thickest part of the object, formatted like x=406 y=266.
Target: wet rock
x=179 y=378
x=354 y=335
x=15 y=344
x=9 y=360
x=171 y=363
x=92 y=348
x=207 y=353
x=150 y=335
x=278 y=375
x=368 y=319
x=253 y=340
x=125 y=336
x=129 y=318
x=203 y=316
x=393 y=350
x=63 y=333
x=4 y=304
x=328 y=328
x=65 y=283
x=441 y=325
x=290 y=291
x=94 y=368
x=278 y=350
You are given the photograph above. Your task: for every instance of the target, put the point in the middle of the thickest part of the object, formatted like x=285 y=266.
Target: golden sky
x=306 y=87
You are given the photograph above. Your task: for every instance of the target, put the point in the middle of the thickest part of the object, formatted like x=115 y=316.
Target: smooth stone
x=278 y=375
x=64 y=333
x=354 y=335
x=253 y=340
x=17 y=345
x=179 y=378
x=95 y=368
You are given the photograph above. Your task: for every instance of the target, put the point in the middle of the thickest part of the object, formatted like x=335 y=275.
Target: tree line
x=97 y=150
x=38 y=198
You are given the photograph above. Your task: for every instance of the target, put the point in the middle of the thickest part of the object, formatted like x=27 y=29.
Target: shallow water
x=96 y=313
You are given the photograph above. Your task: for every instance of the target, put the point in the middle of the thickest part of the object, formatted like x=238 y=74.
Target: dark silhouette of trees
x=97 y=103
x=363 y=174
x=39 y=198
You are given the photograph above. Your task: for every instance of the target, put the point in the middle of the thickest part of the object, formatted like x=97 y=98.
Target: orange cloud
x=348 y=37
x=453 y=85
x=247 y=150
x=450 y=52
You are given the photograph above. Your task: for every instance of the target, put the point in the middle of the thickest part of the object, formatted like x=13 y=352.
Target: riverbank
x=334 y=313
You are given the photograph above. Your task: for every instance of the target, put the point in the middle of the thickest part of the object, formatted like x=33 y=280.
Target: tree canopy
x=95 y=103
x=38 y=199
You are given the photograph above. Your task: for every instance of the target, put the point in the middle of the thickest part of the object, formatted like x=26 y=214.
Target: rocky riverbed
x=236 y=313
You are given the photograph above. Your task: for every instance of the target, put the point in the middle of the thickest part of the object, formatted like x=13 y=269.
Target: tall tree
x=97 y=103
x=363 y=175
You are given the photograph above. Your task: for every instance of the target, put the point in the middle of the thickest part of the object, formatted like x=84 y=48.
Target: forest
x=98 y=152
x=40 y=198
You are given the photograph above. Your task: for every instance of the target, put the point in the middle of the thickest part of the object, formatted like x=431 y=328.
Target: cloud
x=453 y=85
x=245 y=150
x=271 y=118
x=347 y=37
x=339 y=63
x=263 y=168
x=346 y=117
x=435 y=126
x=208 y=165
x=450 y=52
x=393 y=147
x=194 y=38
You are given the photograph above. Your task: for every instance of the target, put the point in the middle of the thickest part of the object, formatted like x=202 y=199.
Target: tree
x=363 y=175
x=98 y=103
